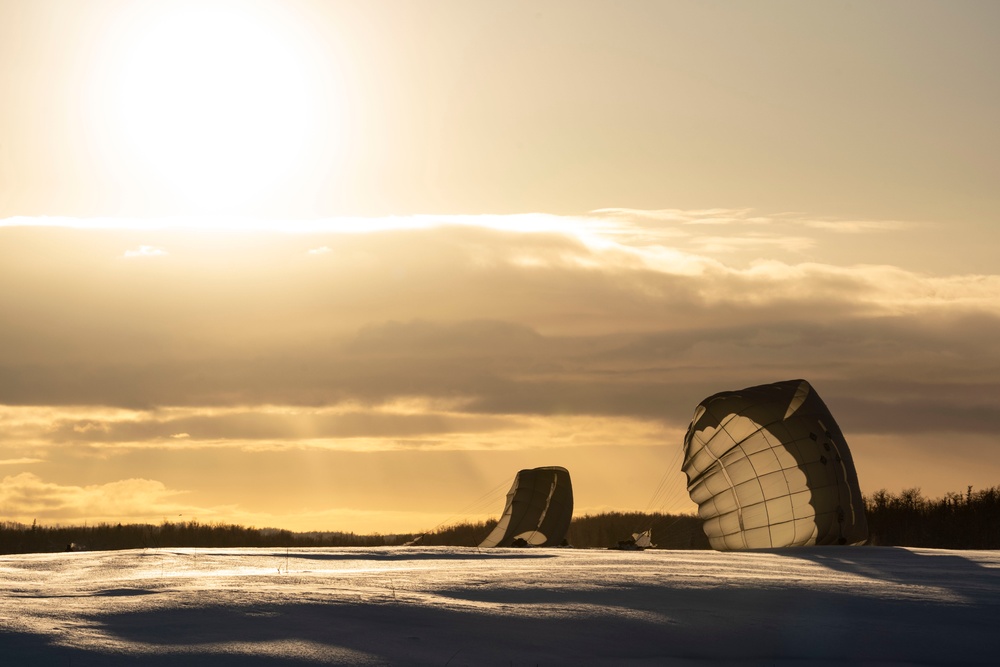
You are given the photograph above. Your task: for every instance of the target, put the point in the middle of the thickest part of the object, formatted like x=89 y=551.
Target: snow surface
x=505 y=607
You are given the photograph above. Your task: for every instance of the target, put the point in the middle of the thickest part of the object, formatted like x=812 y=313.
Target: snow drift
x=452 y=606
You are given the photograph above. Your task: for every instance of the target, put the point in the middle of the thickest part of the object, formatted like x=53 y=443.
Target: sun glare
x=214 y=100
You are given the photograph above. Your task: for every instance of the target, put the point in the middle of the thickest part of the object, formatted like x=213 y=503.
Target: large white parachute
x=769 y=467
x=538 y=511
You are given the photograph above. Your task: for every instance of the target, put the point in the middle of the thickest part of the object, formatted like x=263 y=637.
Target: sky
x=349 y=266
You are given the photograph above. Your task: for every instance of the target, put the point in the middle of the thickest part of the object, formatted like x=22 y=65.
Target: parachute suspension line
x=668 y=484
x=665 y=528
x=484 y=500
x=660 y=488
x=665 y=489
x=477 y=506
x=489 y=500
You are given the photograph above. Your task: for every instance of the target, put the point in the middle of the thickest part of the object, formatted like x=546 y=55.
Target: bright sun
x=215 y=100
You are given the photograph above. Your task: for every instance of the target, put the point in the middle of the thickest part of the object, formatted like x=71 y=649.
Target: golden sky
x=351 y=265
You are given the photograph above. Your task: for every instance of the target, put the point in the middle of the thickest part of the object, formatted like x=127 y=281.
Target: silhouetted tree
x=955 y=521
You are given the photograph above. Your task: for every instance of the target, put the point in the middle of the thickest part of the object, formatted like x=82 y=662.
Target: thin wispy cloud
x=746 y=217
x=20 y=461
x=861 y=226
x=722 y=245
x=670 y=240
x=146 y=251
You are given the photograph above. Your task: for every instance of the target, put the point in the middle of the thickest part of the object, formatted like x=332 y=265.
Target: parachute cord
x=477 y=506
x=666 y=491
x=666 y=488
x=666 y=528
x=668 y=482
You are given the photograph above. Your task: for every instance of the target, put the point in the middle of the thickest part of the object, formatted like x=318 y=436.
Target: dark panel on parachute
x=769 y=467
x=538 y=511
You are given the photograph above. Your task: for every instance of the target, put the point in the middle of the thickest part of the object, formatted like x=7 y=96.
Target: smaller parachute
x=538 y=511
x=638 y=542
x=643 y=539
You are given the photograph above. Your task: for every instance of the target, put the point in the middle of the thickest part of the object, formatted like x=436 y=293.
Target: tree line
x=969 y=520
x=671 y=531
x=20 y=538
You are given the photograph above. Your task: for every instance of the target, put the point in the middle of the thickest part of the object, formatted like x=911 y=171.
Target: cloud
x=289 y=425
x=727 y=244
x=748 y=217
x=860 y=226
x=486 y=378
x=19 y=462
x=463 y=339
x=713 y=216
x=448 y=314
x=27 y=495
x=146 y=251
x=393 y=425
x=743 y=235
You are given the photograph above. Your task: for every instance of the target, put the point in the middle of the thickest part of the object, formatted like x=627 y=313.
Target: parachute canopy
x=644 y=539
x=538 y=511
x=769 y=468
